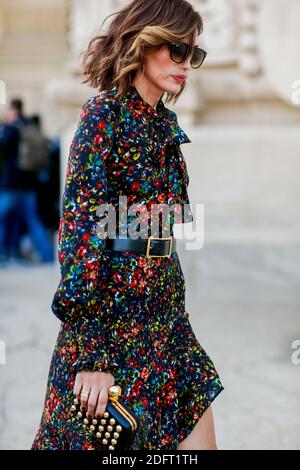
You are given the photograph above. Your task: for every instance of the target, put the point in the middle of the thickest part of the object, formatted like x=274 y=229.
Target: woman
x=123 y=312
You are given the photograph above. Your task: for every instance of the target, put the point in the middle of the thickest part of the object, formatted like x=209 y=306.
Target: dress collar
x=164 y=119
x=134 y=100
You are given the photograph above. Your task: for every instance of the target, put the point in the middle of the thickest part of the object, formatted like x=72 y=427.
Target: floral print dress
x=121 y=311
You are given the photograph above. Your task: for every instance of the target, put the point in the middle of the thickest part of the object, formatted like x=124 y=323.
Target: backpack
x=33 y=149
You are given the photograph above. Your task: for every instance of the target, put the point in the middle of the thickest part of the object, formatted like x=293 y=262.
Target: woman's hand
x=91 y=390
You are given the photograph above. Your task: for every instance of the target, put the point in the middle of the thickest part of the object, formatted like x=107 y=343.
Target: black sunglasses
x=180 y=51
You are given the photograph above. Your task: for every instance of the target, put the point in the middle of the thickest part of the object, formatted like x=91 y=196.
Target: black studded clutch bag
x=117 y=427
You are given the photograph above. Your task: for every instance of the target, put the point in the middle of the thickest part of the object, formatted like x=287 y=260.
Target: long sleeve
x=79 y=248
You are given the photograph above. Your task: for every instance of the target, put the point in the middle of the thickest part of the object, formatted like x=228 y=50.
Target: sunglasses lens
x=179 y=52
x=197 y=58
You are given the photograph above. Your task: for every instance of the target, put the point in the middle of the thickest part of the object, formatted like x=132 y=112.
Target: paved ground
x=246 y=330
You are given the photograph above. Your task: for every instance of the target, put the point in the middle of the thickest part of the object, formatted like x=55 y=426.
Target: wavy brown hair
x=112 y=59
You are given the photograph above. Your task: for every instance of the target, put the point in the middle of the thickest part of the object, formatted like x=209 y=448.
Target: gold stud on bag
x=116 y=429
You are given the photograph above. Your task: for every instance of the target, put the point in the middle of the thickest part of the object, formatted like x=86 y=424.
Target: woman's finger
x=78 y=386
x=102 y=402
x=84 y=396
x=112 y=381
x=92 y=402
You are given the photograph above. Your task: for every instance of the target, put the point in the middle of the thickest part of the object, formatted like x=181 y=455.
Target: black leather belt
x=152 y=247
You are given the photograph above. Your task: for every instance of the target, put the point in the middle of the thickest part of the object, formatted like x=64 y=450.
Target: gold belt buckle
x=158 y=256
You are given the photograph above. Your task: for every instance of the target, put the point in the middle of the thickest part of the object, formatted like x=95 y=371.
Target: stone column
x=279 y=35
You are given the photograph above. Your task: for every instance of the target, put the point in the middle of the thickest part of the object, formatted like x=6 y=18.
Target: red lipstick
x=179 y=78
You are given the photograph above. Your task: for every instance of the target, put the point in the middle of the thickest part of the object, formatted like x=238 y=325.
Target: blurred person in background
x=48 y=187
x=9 y=184
x=24 y=152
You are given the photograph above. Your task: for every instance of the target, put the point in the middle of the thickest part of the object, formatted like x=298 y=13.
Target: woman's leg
x=202 y=436
x=35 y=227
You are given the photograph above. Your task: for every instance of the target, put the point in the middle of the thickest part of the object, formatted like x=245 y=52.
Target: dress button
x=186 y=314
